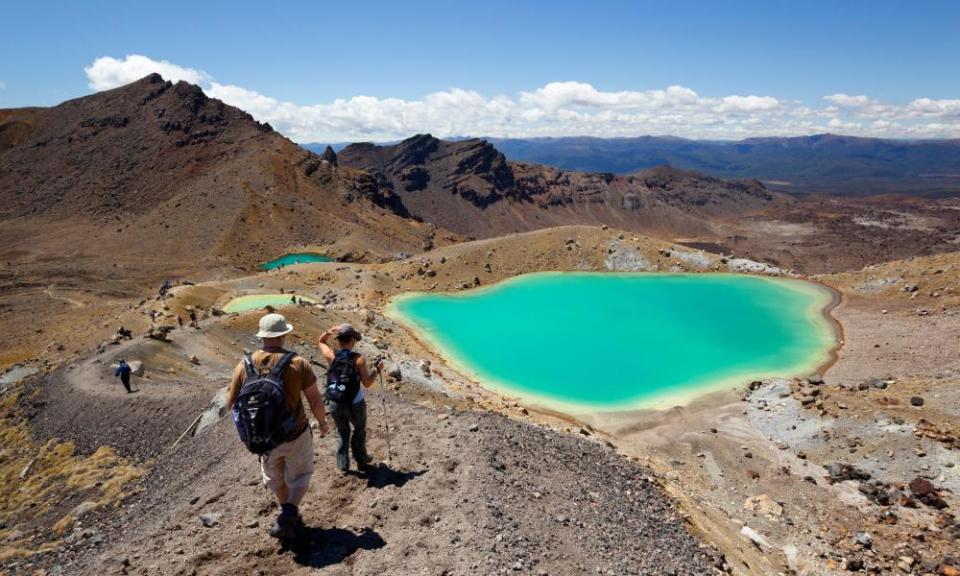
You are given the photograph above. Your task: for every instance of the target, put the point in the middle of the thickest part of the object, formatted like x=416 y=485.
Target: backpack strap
x=282 y=364
x=250 y=368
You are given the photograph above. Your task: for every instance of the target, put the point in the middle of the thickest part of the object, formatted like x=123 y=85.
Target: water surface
x=260 y=301
x=615 y=341
x=298 y=258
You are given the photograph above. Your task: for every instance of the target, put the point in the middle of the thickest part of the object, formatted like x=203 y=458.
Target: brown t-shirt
x=297 y=377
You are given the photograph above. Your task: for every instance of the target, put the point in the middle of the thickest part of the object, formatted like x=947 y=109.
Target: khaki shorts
x=290 y=463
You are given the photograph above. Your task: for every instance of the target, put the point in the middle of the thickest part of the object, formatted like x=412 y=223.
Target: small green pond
x=601 y=341
x=297 y=258
x=260 y=301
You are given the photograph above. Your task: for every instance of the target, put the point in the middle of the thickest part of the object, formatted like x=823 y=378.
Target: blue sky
x=309 y=54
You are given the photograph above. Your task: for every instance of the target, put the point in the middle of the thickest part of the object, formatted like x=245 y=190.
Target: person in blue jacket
x=124 y=371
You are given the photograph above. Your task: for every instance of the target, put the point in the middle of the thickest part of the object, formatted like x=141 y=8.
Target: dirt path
x=466 y=493
x=71 y=301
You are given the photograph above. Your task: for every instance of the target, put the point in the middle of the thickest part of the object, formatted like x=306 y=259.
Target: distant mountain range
x=824 y=163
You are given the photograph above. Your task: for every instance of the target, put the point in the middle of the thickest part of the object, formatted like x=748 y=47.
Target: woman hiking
x=346 y=379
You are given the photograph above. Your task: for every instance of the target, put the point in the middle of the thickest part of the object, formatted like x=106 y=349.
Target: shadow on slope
x=382 y=476
x=327 y=546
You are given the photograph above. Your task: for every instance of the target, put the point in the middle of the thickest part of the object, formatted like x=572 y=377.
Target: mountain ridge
x=160 y=169
x=469 y=186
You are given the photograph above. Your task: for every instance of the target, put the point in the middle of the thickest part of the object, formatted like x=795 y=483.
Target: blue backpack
x=261 y=414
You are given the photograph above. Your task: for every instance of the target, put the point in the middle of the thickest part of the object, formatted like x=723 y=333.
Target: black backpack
x=261 y=414
x=343 y=380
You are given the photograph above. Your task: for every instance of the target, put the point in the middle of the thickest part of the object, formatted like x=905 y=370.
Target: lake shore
x=824 y=300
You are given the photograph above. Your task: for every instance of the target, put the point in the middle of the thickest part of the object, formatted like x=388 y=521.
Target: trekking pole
x=386 y=425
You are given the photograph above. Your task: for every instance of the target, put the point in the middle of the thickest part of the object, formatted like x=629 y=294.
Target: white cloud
x=558 y=109
x=848 y=101
x=106 y=72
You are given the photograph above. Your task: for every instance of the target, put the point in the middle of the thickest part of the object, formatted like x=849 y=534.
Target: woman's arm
x=325 y=349
x=366 y=377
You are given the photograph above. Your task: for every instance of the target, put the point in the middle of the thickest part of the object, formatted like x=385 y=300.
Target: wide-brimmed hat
x=348 y=331
x=274 y=326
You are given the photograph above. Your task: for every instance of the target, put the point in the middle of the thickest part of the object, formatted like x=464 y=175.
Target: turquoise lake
x=616 y=341
x=291 y=259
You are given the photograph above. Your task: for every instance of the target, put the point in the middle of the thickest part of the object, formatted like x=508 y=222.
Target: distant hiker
x=167 y=285
x=265 y=397
x=193 y=317
x=124 y=371
x=180 y=321
x=348 y=370
x=124 y=334
x=293 y=299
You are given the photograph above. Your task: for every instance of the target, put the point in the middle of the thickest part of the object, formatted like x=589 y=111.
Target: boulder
x=755 y=537
x=763 y=504
x=211 y=519
x=921 y=486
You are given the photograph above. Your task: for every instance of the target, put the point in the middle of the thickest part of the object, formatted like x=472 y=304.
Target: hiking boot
x=283 y=529
x=289 y=524
x=363 y=463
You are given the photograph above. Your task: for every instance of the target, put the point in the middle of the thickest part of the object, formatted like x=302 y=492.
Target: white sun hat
x=274 y=326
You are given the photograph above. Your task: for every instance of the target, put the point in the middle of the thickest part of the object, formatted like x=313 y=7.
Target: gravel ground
x=466 y=493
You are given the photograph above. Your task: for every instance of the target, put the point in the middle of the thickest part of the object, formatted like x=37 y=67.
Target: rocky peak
x=415 y=150
x=330 y=156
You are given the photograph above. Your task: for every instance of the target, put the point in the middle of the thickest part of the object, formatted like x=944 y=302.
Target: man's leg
x=358 y=443
x=341 y=419
x=273 y=465
x=272 y=468
x=298 y=469
x=125 y=380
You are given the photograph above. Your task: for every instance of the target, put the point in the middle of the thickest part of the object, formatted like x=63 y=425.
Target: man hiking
x=287 y=466
x=348 y=370
x=123 y=371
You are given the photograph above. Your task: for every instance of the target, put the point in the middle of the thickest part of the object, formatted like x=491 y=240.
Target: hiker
x=124 y=334
x=284 y=443
x=193 y=317
x=167 y=285
x=348 y=370
x=124 y=371
x=180 y=321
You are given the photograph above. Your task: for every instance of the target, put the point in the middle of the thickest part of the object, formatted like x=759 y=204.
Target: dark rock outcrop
x=330 y=156
x=468 y=186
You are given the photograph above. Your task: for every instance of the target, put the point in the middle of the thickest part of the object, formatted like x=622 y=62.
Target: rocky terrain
x=469 y=187
x=467 y=488
x=850 y=471
x=104 y=196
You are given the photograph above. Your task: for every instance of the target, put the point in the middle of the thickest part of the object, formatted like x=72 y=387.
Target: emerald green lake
x=616 y=341
x=291 y=259
x=260 y=301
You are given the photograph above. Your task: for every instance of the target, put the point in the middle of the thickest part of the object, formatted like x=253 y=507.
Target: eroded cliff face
x=468 y=186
